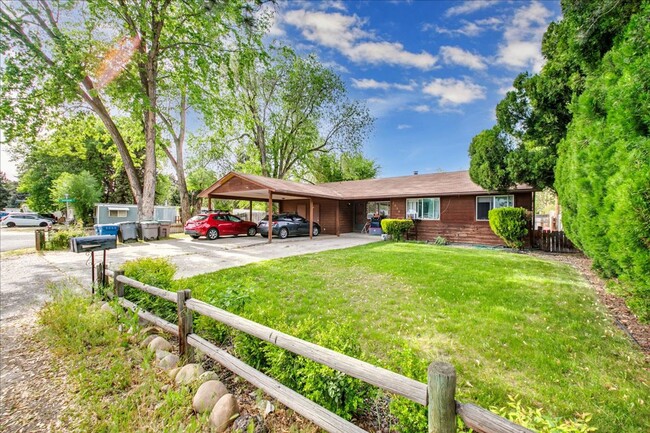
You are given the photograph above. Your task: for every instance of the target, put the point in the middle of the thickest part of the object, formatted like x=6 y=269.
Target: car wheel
x=283 y=233
x=252 y=231
x=43 y=224
x=315 y=231
x=10 y=224
x=213 y=234
x=194 y=236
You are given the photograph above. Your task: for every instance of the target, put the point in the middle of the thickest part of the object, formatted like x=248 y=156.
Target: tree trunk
x=146 y=205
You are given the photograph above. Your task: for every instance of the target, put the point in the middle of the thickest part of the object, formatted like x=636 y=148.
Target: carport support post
x=250 y=210
x=311 y=218
x=210 y=204
x=338 y=218
x=270 y=225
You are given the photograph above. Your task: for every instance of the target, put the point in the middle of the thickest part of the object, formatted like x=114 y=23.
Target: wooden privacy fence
x=554 y=242
x=438 y=394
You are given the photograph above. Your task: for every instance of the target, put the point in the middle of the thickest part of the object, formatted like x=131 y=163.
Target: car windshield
x=198 y=218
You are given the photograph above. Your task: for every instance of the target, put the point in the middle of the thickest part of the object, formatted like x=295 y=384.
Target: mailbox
x=93 y=243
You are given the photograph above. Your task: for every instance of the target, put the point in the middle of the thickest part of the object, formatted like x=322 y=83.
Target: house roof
x=422 y=185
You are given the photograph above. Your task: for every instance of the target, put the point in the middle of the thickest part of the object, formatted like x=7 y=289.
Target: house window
x=486 y=203
x=118 y=212
x=423 y=208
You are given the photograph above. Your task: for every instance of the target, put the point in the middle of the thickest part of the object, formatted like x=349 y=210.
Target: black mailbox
x=93 y=243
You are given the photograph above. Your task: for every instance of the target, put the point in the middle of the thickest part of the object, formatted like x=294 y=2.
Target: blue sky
x=431 y=72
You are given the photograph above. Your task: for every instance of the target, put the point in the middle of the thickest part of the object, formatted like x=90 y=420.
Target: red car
x=213 y=225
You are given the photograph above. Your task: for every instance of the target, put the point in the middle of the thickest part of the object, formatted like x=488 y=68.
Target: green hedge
x=510 y=224
x=396 y=227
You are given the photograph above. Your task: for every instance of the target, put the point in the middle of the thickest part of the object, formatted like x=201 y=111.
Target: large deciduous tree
x=109 y=56
x=289 y=108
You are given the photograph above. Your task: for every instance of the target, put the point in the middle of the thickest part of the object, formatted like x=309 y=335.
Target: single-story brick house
x=442 y=204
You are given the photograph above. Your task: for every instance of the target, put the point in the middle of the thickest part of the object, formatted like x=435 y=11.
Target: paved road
x=16 y=238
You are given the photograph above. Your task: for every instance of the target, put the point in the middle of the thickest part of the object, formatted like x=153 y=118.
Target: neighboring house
x=442 y=204
x=108 y=213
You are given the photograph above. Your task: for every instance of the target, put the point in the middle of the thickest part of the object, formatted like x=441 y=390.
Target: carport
x=239 y=186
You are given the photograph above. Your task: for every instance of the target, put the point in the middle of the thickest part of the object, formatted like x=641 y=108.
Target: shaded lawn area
x=511 y=324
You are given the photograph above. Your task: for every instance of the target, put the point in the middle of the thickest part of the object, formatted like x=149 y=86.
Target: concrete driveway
x=199 y=256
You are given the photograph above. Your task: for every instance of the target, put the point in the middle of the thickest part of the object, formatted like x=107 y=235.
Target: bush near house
x=396 y=227
x=510 y=224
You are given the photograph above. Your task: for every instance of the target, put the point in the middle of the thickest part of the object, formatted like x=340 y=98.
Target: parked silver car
x=24 y=220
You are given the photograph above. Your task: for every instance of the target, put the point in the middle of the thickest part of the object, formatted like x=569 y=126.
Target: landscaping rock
x=150 y=330
x=224 y=413
x=107 y=307
x=169 y=362
x=160 y=343
x=208 y=375
x=189 y=373
x=161 y=354
x=243 y=423
x=208 y=395
x=148 y=340
x=173 y=372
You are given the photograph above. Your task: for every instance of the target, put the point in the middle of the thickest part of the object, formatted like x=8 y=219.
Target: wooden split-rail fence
x=438 y=394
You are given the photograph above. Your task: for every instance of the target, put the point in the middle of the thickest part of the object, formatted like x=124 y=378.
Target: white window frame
x=511 y=203
x=418 y=217
x=119 y=213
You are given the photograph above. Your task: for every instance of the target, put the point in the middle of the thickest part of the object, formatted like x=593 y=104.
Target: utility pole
x=67 y=210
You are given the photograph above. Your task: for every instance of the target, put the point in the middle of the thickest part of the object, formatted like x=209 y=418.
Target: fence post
x=441 y=386
x=184 y=324
x=118 y=286
x=99 y=276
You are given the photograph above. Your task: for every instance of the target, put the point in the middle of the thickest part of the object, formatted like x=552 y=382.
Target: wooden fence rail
x=438 y=394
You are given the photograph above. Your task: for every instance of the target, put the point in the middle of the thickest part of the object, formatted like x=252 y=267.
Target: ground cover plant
x=118 y=388
x=511 y=324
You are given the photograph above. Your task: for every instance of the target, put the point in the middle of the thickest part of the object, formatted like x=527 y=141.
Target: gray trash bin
x=149 y=230
x=164 y=229
x=128 y=232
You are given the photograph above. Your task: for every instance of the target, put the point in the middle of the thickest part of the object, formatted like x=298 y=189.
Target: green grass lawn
x=511 y=324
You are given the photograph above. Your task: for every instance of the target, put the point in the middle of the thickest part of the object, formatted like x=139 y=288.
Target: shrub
x=441 y=241
x=536 y=420
x=411 y=417
x=396 y=227
x=232 y=300
x=510 y=224
x=60 y=239
x=157 y=272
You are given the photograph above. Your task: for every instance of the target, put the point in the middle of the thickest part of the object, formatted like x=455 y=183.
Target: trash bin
x=164 y=229
x=106 y=229
x=149 y=230
x=128 y=232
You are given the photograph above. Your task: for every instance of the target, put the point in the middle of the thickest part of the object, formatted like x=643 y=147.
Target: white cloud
x=458 y=56
x=421 y=108
x=403 y=126
x=451 y=91
x=336 y=67
x=467 y=7
x=369 y=83
x=523 y=38
x=345 y=34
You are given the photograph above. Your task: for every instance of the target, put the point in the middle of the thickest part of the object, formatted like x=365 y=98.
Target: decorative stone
x=189 y=373
x=173 y=372
x=160 y=343
x=249 y=423
x=168 y=362
x=161 y=354
x=208 y=375
x=224 y=413
x=208 y=395
x=266 y=407
x=148 y=340
x=150 y=330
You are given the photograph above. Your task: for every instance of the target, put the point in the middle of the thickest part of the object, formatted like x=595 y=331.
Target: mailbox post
x=90 y=244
